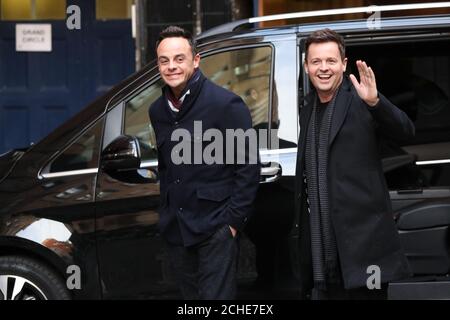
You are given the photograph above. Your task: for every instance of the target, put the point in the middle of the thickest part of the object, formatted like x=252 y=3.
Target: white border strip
x=367 y=9
x=277 y=151
x=424 y=163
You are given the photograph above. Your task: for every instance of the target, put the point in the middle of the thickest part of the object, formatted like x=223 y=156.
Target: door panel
x=58 y=209
x=133 y=262
x=414 y=75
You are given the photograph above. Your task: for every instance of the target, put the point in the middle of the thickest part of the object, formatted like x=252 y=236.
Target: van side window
x=81 y=154
x=137 y=122
x=415 y=76
x=247 y=73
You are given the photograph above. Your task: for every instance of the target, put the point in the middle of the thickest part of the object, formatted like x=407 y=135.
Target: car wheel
x=22 y=278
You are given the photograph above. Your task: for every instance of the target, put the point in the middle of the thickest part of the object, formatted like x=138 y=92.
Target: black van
x=78 y=210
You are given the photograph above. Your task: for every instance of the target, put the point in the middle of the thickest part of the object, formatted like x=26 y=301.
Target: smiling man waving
x=346 y=221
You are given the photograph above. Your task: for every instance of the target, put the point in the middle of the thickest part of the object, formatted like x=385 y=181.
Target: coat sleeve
x=152 y=114
x=391 y=121
x=246 y=173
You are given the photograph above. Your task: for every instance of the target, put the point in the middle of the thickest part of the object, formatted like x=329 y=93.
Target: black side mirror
x=123 y=153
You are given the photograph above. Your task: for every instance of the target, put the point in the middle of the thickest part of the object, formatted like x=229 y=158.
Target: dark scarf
x=194 y=85
x=323 y=242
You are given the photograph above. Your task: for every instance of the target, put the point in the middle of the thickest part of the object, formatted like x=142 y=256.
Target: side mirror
x=123 y=153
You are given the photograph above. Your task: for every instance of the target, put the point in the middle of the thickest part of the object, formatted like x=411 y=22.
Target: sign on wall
x=34 y=37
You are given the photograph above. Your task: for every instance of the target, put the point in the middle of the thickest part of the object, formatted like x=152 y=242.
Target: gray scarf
x=323 y=242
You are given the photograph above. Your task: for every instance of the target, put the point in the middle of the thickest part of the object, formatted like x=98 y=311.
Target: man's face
x=325 y=68
x=176 y=62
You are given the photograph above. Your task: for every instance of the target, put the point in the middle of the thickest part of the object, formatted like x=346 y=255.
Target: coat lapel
x=343 y=101
x=195 y=85
x=305 y=115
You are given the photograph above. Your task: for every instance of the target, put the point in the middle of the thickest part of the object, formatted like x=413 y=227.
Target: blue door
x=39 y=90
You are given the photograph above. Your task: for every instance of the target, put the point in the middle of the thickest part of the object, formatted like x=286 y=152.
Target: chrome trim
x=286 y=158
x=424 y=163
x=277 y=151
x=149 y=164
x=67 y=173
x=367 y=9
x=269 y=171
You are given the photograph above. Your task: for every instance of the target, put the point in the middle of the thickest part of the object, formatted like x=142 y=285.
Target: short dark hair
x=326 y=35
x=177 y=32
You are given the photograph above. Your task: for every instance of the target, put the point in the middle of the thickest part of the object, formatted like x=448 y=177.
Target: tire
x=23 y=278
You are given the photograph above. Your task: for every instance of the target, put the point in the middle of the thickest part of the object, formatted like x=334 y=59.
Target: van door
x=415 y=76
x=132 y=259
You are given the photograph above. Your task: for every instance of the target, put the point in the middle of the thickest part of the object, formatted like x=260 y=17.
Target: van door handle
x=270 y=172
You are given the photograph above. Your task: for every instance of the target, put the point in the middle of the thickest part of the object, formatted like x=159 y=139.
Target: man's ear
x=196 y=60
x=305 y=66
x=344 y=62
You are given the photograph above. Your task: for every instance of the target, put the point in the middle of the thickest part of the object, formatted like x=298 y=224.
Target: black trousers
x=207 y=270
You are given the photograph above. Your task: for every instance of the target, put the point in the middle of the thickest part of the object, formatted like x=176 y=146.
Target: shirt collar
x=181 y=100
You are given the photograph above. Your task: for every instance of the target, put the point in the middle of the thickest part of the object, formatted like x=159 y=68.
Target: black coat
x=196 y=199
x=360 y=206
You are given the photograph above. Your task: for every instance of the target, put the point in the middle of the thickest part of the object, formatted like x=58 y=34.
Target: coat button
x=177 y=181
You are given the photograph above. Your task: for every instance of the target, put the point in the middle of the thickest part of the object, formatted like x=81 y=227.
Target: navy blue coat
x=196 y=199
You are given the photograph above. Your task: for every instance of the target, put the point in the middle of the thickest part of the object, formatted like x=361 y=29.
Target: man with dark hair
x=347 y=230
x=203 y=206
x=177 y=32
